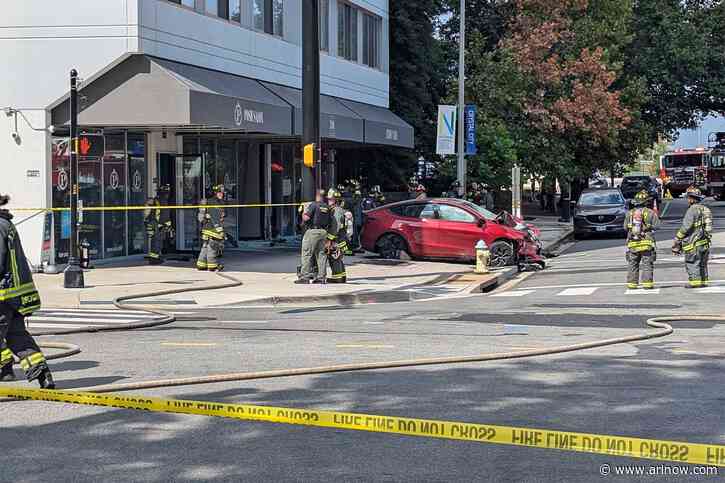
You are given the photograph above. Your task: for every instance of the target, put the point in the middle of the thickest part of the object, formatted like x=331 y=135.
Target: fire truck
x=683 y=168
x=716 y=167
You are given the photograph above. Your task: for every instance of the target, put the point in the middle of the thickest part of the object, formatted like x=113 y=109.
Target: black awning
x=146 y=91
x=382 y=126
x=336 y=121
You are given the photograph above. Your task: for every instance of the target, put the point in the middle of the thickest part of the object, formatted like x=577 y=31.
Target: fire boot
x=45 y=379
x=7 y=374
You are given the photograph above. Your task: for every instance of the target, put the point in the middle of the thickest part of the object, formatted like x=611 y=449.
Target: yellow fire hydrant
x=483 y=257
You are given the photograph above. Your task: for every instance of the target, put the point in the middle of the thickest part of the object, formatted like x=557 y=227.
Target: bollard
x=483 y=257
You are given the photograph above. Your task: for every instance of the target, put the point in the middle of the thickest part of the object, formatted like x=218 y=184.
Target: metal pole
x=311 y=87
x=461 y=166
x=73 y=275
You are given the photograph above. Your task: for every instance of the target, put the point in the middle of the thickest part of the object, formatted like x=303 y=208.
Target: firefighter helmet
x=693 y=192
x=219 y=188
x=641 y=198
x=4 y=200
x=333 y=193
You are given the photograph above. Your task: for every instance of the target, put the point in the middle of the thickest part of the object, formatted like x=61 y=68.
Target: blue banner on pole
x=470 y=127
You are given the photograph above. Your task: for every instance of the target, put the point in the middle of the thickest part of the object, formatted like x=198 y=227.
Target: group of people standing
x=693 y=240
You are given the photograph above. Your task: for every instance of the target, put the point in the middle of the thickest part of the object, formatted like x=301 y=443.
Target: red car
x=449 y=229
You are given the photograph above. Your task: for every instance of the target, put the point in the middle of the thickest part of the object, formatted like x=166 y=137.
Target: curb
x=549 y=251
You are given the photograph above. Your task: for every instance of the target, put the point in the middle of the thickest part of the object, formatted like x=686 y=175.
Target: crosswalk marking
x=516 y=293
x=570 y=292
x=710 y=290
x=639 y=291
x=86 y=318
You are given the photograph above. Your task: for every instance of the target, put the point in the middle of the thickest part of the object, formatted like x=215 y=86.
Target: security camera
x=9 y=111
x=16 y=138
x=51 y=129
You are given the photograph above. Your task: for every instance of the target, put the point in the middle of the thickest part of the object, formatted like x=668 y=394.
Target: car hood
x=601 y=210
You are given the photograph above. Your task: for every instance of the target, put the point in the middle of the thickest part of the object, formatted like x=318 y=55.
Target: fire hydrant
x=483 y=257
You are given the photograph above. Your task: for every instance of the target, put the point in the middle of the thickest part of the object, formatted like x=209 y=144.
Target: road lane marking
x=364 y=346
x=641 y=291
x=515 y=293
x=605 y=444
x=710 y=290
x=572 y=292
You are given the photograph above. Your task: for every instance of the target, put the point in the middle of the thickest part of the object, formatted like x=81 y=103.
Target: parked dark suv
x=600 y=211
x=631 y=185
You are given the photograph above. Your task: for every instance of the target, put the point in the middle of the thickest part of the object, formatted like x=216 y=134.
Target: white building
x=186 y=93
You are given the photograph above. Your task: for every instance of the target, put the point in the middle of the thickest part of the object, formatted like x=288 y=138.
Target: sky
x=694 y=138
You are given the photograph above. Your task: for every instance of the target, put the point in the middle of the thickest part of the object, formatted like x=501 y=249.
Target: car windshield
x=605 y=198
x=480 y=210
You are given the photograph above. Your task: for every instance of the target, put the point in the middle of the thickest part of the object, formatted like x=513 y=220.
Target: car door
x=418 y=224
x=458 y=232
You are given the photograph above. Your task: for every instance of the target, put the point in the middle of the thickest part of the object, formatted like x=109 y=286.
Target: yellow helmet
x=641 y=198
x=694 y=192
x=333 y=193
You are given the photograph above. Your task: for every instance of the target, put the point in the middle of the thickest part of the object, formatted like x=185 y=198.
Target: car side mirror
x=481 y=223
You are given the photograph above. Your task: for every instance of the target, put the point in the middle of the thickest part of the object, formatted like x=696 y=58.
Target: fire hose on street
x=661 y=324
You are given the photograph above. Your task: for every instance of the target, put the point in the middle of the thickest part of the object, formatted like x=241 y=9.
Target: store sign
x=136 y=186
x=114 y=180
x=247 y=115
x=470 y=122
x=62 y=179
x=391 y=134
x=33 y=173
x=446 y=140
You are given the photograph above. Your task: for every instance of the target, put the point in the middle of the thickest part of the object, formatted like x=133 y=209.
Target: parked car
x=449 y=229
x=631 y=185
x=600 y=211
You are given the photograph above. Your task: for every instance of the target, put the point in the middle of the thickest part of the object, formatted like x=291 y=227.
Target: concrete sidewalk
x=268 y=273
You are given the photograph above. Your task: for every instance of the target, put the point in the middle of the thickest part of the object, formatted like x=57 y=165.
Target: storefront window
x=226 y=174
x=90 y=183
x=136 y=147
x=61 y=198
x=114 y=195
x=283 y=217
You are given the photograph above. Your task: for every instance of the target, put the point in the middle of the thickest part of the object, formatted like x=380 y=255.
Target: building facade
x=183 y=94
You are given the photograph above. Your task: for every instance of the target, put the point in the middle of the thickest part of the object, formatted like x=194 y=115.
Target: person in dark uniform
x=357 y=219
x=211 y=222
x=166 y=226
x=368 y=201
x=641 y=223
x=694 y=239
x=337 y=234
x=152 y=222
x=314 y=242
x=18 y=299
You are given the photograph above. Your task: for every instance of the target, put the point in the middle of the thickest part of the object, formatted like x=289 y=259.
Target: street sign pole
x=311 y=90
x=73 y=275
x=461 y=165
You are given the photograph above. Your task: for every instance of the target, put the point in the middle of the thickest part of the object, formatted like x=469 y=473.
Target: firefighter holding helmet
x=18 y=299
x=641 y=223
x=694 y=239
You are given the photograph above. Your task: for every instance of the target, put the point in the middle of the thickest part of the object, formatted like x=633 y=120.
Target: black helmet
x=4 y=200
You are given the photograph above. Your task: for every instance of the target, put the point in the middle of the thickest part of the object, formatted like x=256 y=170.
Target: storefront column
x=268 y=191
x=332 y=168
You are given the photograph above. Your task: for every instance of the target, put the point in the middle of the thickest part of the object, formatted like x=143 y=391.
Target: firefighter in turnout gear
x=338 y=236
x=641 y=223
x=211 y=223
x=18 y=299
x=152 y=222
x=317 y=217
x=694 y=239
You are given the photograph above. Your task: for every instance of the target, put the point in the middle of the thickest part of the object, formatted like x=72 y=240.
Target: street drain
x=608 y=306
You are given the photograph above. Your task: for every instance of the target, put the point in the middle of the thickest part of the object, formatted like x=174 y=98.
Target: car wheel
x=502 y=254
x=390 y=246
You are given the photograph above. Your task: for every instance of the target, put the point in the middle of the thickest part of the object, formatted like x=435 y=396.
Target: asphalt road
x=669 y=388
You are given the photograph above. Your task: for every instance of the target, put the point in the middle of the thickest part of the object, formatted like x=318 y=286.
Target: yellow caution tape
x=675 y=451
x=170 y=207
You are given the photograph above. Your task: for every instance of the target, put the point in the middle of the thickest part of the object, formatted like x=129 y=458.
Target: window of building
x=234 y=10
x=324 y=25
x=268 y=16
x=372 y=31
x=347 y=31
x=186 y=3
x=212 y=7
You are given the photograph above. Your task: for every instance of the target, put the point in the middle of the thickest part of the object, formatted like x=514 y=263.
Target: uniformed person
x=694 y=239
x=166 y=226
x=338 y=236
x=356 y=208
x=317 y=215
x=18 y=299
x=152 y=222
x=211 y=223
x=641 y=223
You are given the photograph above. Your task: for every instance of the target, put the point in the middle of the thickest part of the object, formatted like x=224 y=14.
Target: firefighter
x=211 y=223
x=641 y=223
x=18 y=299
x=356 y=207
x=694 y=239
x=152 y=222
x=337 y=235
x=317 y=215
x=166 y=226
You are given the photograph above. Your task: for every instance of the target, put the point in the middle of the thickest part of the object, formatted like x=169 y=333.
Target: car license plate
x=601 y=228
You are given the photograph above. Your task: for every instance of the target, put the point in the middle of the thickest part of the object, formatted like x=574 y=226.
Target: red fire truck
x=716 y=168
x=683 y=168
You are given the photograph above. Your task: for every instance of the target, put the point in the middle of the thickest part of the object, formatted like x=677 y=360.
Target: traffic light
x=309 y=155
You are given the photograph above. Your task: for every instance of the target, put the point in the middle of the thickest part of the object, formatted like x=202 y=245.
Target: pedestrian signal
x=309 y=155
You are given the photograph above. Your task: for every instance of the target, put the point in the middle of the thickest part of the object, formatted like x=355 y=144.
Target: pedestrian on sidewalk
x=694 y=239
x=641 y=223
x=18 y=299
x=317 y=216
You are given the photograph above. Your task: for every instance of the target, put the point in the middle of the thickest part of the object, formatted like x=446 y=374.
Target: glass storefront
x=117 y=179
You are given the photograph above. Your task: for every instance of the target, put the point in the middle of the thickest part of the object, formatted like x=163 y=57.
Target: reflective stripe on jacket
x=646 y=240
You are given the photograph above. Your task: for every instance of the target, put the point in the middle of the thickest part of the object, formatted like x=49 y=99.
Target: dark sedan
x=599 y=212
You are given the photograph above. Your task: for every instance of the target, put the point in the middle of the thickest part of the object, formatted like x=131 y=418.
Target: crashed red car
x=449 y=229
